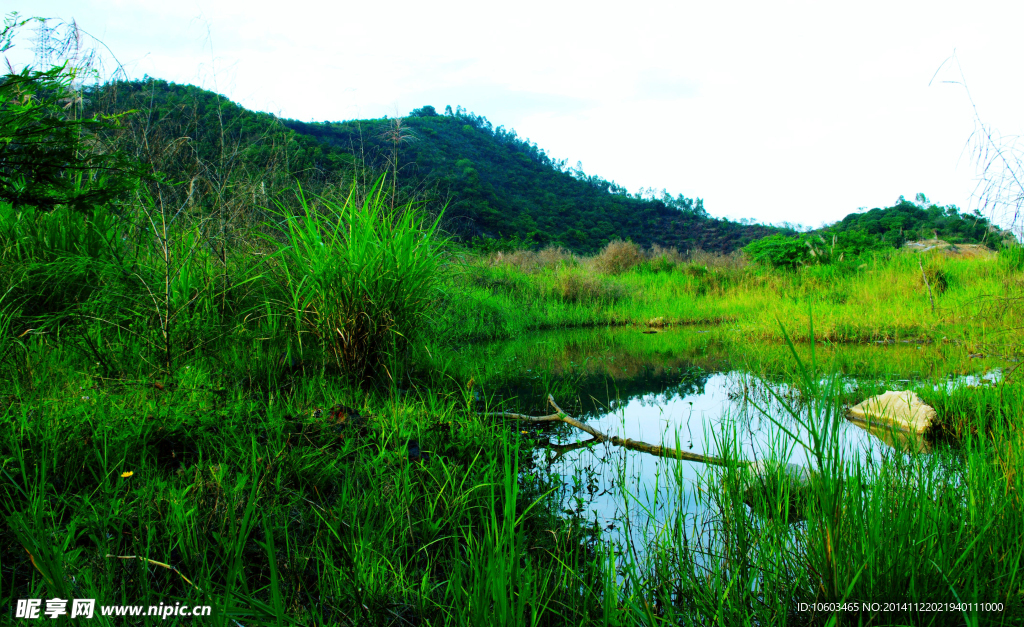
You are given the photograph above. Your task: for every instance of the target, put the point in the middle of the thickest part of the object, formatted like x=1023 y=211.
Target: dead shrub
x=578 y=287
x=523 y=260
x=554 y=257
x=618 y=257
x=732 y=261
x=695 y=270
x=531 y=262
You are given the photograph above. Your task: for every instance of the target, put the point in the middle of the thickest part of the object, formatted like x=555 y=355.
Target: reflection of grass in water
x=580 y=364
x=624 y=350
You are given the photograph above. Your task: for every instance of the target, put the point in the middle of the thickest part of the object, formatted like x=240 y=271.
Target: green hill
x=499 y=185
x=213 y=151
x=921 y=219
x=494 y=185
x=878 y=229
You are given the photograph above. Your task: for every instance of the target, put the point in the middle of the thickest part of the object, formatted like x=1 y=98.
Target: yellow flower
x=127 y=474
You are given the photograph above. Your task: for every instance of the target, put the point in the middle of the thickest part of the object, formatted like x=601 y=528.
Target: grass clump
x=361 y=279
x=573 y=286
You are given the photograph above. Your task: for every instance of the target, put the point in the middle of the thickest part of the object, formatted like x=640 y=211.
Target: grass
x=939 y=528
x=273 y=511
x=879 y=298
x=290 y=429
x=359 y=278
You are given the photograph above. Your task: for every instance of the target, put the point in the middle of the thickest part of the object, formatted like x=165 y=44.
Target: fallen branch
x=635 y=445
x=562 y=449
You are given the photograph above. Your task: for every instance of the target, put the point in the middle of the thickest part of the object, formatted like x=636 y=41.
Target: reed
x=880 y=298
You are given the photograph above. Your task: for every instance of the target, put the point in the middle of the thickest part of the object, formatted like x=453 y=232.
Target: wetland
x=322 y=409
x=291 y=463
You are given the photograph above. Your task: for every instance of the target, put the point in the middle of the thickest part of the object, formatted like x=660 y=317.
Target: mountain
x=493 y=184
x=498 y=185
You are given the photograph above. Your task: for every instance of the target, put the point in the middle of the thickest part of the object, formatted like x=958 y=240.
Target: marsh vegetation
x=293 y=407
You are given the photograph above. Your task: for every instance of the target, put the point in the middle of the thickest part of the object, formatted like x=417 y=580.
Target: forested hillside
x=499 y=185
x=921 y=219
x=494 y=185
x=209 y=153
x=206 y=153
x=878 y=229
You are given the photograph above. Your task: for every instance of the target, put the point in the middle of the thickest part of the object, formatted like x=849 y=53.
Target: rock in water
x=898 y=410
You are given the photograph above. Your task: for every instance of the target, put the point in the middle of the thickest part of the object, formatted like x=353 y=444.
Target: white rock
x=899 y=410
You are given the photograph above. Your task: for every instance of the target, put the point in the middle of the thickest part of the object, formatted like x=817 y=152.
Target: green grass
x=274 y=511
x=168 y=400
x=877 y=298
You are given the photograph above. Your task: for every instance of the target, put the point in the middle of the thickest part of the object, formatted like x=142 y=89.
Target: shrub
x=577 y=287
x=779 y=251
x=696 y=270
x=618 y=257
x=523 y=260
x=530 y=262
x=554 y=257
x=735 y=260
x=663 y=259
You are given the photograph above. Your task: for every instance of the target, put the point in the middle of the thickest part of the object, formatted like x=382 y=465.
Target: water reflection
x=705 y=417
x=681 y=389
x=684 y=388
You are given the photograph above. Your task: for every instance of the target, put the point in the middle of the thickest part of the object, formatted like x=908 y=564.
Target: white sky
x=779 y=111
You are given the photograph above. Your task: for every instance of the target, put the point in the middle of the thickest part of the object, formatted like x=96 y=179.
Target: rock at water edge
x=900 y=410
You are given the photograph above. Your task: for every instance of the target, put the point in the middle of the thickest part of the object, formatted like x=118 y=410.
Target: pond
x=699 y=390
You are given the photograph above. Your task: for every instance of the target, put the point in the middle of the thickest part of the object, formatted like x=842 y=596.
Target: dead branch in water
x=635 y=445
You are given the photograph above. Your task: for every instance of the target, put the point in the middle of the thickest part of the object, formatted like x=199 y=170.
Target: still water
x=689 y=389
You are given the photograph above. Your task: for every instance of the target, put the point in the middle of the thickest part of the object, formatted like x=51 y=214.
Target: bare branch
x=635 y=445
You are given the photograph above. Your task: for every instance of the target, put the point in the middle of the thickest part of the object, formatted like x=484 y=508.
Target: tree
x=424 y=112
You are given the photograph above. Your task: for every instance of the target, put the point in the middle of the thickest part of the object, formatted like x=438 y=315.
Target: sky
x=781 y=111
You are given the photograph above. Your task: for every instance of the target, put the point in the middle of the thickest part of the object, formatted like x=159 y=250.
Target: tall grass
x=149 y=415
x=361 y=279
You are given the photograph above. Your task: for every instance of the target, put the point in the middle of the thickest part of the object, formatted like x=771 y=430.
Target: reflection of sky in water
x=700 y=420
x=677 y=388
